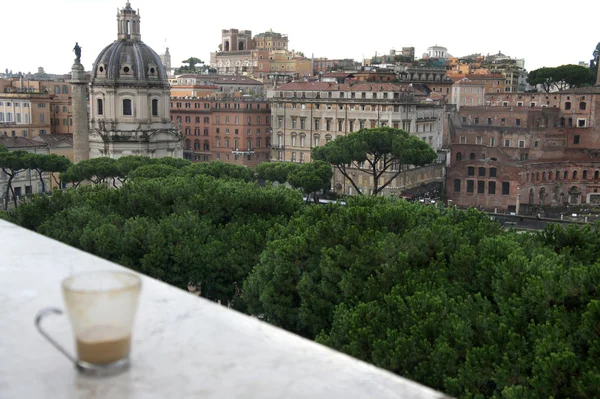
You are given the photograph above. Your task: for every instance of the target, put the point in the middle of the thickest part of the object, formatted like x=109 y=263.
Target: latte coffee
x=103 y=344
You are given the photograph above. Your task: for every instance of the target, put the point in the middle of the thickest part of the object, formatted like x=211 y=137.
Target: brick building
x=228 y=129
x=534 y=149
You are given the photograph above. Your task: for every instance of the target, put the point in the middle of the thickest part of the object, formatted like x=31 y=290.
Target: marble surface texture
x=183 y=346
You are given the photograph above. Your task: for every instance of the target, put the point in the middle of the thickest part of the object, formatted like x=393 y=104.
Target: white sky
x=43 y=33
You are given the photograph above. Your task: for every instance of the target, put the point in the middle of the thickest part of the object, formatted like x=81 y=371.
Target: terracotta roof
x=55 y=140
x=19 y=142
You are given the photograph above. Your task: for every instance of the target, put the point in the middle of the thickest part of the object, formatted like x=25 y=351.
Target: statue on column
x=77 y=50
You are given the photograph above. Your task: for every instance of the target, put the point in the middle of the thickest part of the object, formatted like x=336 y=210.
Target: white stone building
x=130 y=98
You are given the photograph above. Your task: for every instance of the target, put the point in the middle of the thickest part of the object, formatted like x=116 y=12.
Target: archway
x=226 y=45
x=240 y=45
x=574 y=195
x=531 y=195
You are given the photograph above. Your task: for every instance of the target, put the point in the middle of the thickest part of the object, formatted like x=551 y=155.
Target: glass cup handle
x=38 y=324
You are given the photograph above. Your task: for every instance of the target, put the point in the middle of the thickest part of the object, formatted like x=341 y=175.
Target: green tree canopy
x=11 y=163
x=311 y=177
x=561 y=78
x=375 y=152
x=50 y=163
x=275 y=171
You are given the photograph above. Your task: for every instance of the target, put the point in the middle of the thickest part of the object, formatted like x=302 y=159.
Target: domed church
x=130 y=98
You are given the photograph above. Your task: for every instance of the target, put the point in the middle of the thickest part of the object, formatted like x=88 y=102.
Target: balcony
x=183 y=346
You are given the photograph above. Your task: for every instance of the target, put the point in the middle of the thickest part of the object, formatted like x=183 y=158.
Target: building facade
x=57 y=111
x=262 y=56
x=234 y=130
x=310 y=114
x=130 y=98
x=523 y=151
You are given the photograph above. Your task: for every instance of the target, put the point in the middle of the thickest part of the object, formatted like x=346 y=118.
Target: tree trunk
x=41 y=181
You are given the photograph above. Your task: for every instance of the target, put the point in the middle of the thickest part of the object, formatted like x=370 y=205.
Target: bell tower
x=128 y=24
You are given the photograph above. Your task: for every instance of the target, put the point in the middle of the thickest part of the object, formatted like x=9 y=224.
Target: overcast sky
x=43 y=33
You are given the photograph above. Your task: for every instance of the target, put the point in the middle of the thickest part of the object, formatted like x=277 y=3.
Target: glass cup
x=101 y=308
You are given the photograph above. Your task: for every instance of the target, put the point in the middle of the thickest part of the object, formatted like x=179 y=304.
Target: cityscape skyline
x=340 y=34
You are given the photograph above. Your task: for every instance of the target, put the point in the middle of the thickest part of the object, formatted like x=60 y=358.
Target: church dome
x=128 y=59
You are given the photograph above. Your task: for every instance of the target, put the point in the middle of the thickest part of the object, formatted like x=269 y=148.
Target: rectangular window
x=470 y=186
x=480 y=187
x=226 y=119
x=127 y=107
x=317 y=122
x=492 y=142
x=576 y=139
x=463 y=139
x=481 y=172
x=492 y=172
x=517 y=122
x=457 y=185
x=492 y=187
x=521 y=143
x=100 y=107
x=507 y=143
x=471 y=171
x=479 y=140
x=505 y=188
x=489 y=120
x=154 y=107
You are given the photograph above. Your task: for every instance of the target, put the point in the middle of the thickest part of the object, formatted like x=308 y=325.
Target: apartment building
x=228 y=129
x=56 y=111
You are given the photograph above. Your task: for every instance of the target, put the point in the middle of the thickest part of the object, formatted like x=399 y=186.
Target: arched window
x=562 y=122
x=472 y=155
x=537 y=176
x=188 y=144
x=566 y=175
x=127 y=109
x=584 y=175
x=567 y=105
x=570 y=122
x=226 y=45
x=543 y=175
x=550 y=175
x=241 y=46
x=596 y=175
x=196 y=144
x=100 y=107
x=574 y=174
x=206 y=146
x=154 y=107
x=582 y=106
x=458 y=156
x=557 y=175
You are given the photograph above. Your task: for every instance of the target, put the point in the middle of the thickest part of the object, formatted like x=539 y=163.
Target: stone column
x=81 y=130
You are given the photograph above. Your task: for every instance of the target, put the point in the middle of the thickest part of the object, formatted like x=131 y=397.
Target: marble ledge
x=184 y=346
